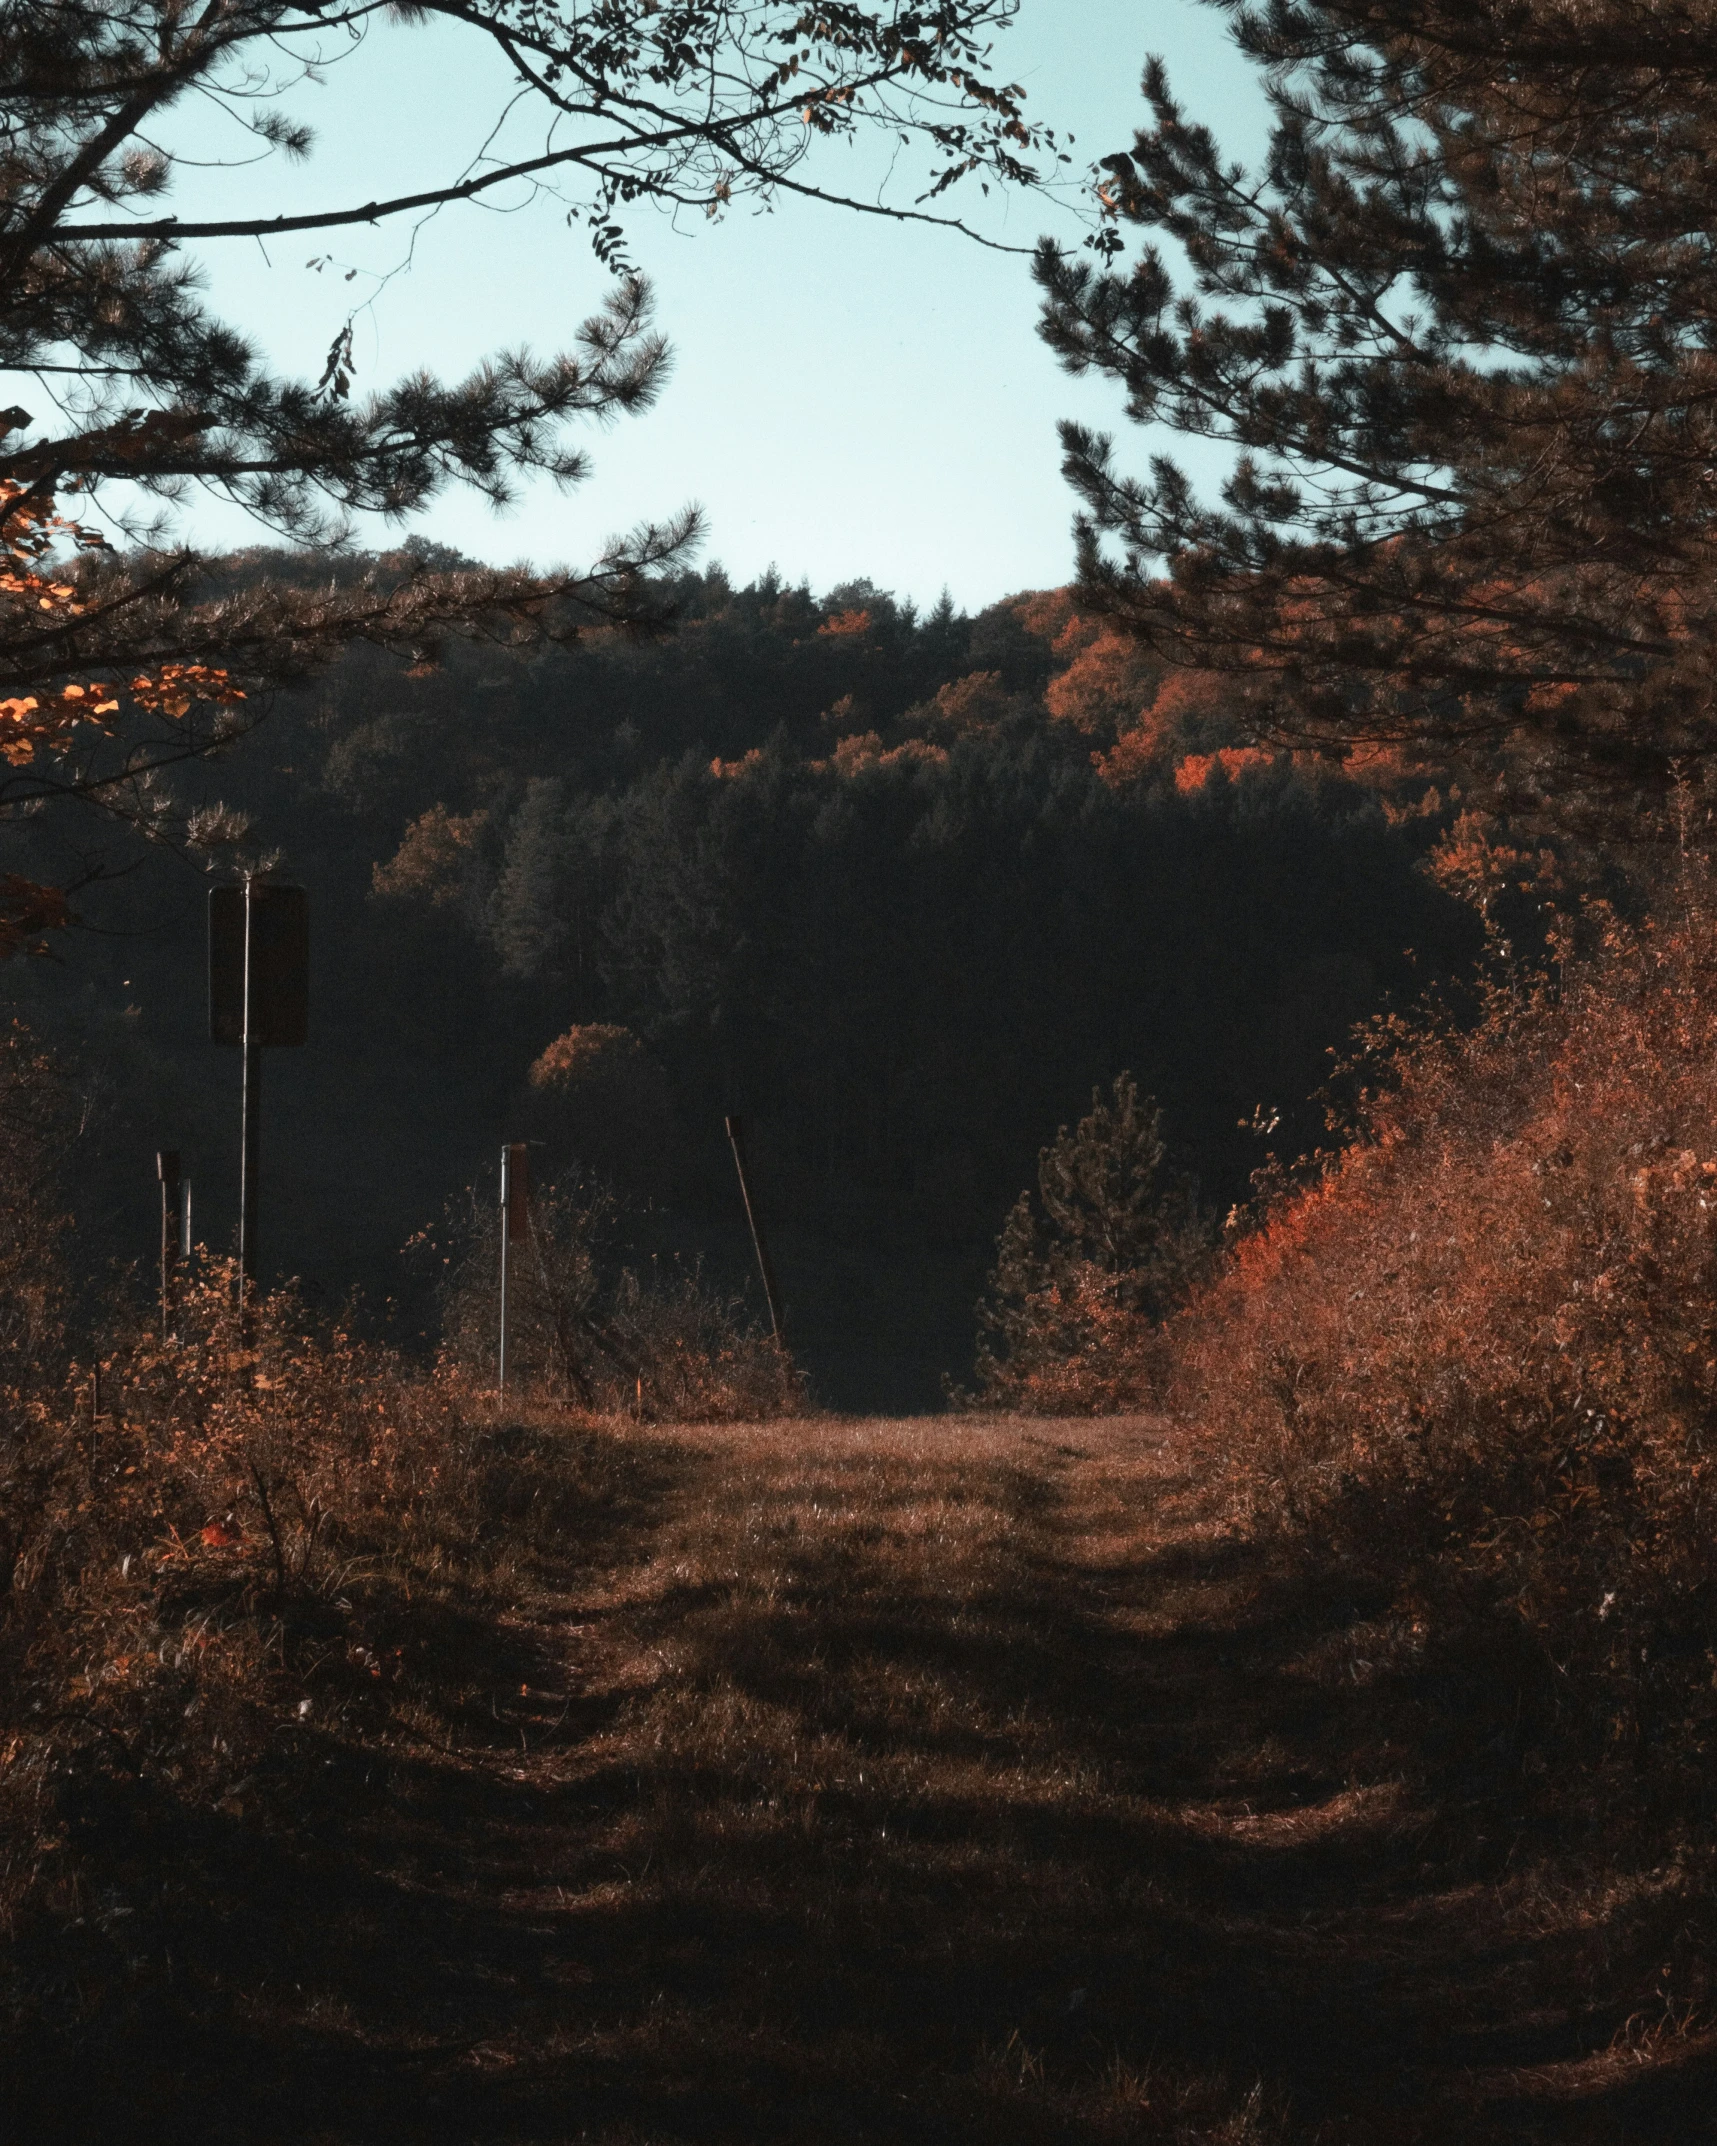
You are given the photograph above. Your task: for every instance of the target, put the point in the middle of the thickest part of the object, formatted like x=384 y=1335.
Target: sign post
x=515 y=1224
x=259 y=998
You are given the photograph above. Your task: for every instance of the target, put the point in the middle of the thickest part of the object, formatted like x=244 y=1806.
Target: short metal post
x=736 y=1136
x=250 y=1160
x=167 y=1170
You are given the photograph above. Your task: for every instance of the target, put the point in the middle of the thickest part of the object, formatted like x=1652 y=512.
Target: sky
x=850 y=397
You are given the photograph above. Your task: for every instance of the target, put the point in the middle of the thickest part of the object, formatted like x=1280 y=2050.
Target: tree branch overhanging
x=114 y=666
x=1458 y=334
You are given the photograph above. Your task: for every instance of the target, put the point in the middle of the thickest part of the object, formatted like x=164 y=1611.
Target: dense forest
x=900 y=888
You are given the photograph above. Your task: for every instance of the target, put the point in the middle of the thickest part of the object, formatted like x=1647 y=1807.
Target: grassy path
x=934 y=1781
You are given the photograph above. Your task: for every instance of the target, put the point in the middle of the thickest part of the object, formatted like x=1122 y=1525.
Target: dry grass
x=649 y=1338
x=957 y=1779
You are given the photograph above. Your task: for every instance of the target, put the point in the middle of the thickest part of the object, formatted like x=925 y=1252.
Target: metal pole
x=250 y=1164
x=506 y=1191
x=167 y=1170
x=736 y=1135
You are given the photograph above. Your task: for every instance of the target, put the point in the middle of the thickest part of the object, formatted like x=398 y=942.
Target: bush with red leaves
x=1475 y=1361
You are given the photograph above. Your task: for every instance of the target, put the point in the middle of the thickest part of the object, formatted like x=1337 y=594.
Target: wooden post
x=515 y=1223
x=506 y=1233
x=167 y=1171
x=736 y=1136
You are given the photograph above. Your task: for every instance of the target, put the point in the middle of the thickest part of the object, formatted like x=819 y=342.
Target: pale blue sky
x=850 y=397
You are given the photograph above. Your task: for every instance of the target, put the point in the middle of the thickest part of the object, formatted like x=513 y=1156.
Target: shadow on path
x=939 y=1781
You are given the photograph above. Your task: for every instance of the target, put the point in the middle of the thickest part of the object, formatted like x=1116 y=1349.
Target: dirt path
x=934 y=1781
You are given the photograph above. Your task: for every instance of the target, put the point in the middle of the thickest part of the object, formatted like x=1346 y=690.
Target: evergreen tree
x=1113 y=1250
x=148 y=392
x=1106 y=1197
x=1459 y=331
x=527 y=923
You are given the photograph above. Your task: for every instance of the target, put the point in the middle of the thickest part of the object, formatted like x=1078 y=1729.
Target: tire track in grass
x=949 y=1779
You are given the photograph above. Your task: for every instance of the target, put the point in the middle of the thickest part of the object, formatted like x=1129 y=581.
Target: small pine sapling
x=1085 y=1275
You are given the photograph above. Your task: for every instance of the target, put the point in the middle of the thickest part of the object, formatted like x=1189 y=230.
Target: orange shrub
x=245 y=1521
x=251 y=1465
x=260 y=1545
x=1478 y=1358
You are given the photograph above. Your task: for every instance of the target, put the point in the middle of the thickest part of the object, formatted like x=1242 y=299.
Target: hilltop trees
x=114 y=665
x=1460 y=332
x=901 y=935
x=900 y=916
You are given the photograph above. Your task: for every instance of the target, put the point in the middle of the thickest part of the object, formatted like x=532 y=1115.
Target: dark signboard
x=516 y=1190
x=280 y=964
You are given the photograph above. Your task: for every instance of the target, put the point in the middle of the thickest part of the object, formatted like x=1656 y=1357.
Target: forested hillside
x=900 y=888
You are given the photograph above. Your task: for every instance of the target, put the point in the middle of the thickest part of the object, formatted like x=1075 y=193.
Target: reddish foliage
x=1192 y=713
x=1198 y=768
x=973 y=704
x=1479 y=1354
x=1097 y=1353
x=1106 y=686
x=38 y=609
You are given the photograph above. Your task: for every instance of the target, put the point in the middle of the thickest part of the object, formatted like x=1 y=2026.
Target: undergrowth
x=594 y=1323
x=1474 y=1363
x=278 y=1526
x=1086 y=1272
x=223 y=1541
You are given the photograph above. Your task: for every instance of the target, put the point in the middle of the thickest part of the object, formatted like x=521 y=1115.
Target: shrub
x=270 y=1550
x=585 y=1327
x=249 y=1467
x=248 y=1514
x=1476 y=1360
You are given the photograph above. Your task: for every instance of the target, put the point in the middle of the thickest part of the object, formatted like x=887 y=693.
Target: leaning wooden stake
x=736 y=1134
